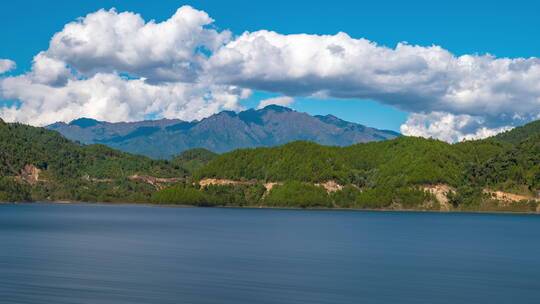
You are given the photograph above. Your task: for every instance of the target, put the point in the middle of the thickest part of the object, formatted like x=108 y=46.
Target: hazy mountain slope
x=222 y=132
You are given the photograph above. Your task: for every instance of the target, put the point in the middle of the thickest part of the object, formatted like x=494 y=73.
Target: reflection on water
x=53 y=253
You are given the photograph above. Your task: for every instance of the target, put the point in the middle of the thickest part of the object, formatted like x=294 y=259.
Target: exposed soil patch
x=509 y=197
x=441 y=194
x=158 y=182
x=30 y=174
x=330 y=186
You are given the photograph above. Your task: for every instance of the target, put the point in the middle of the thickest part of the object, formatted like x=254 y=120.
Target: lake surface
x=54 y=253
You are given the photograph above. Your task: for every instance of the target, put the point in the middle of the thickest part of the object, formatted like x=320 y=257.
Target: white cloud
x=6 y=65
x=112 y=98
x=107 y=41
x=416 y=79
x=117 y=66
x=49 y=71
x=280 y=101
x=448 y=127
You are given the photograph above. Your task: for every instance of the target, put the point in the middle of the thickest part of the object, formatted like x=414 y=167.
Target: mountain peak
x=276 y=108
x=330 y=116
x=84 y=122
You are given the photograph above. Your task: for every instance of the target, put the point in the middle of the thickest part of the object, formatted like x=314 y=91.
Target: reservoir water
x=77 y=253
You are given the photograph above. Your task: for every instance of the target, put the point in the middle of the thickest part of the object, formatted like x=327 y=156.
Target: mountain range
x=501 y=173
x=223 y=132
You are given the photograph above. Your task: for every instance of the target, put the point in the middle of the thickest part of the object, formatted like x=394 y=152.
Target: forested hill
x=41 y=164
x=517 y=135
x=193 y=159
x=401 y=161
x=382 y=173
x=501 y=173
x=222 y=132
x=398 y=162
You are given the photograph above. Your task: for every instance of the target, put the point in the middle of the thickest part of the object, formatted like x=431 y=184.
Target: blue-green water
x=53 y=253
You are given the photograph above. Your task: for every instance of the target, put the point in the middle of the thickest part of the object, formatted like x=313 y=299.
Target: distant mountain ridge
x=223 y=132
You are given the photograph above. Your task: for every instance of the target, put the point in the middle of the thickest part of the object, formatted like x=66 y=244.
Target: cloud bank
x=116 y=66
x=481 y=94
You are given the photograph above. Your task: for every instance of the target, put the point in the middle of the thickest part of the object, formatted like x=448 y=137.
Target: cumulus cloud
x=49 y=71
x=280 y=101
x=417 y=79
x=173 y=50
x=117 y=66
x=112 y=98
x=6 y=65
x=449 y=127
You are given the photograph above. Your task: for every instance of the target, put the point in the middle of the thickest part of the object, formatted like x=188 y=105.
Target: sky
x=454 y=70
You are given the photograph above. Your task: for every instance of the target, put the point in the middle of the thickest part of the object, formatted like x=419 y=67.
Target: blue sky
x=504 y=29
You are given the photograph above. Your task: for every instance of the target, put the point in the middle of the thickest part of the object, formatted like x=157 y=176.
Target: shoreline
x=266 y=207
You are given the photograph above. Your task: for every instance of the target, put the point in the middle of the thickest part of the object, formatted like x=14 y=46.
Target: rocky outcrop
x=509 y=197
x=506 y=198
x=440 y=192
x=30 y=174
x=271 y=185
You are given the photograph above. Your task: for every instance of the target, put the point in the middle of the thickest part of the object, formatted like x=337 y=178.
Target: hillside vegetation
x=399 y=162
x=396 y=172
x=193 y=159
x=403 y=173
x=63 y=170
x=516 y=169
x=518 y=134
